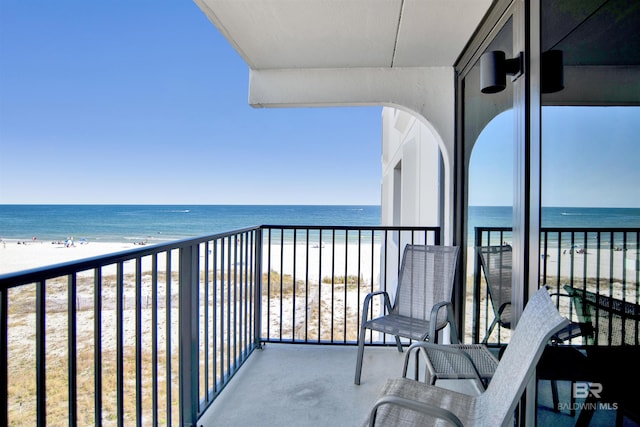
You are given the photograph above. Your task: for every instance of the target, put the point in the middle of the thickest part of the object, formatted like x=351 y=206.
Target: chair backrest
x=612 y=321
x=539 y=321
x=425 y=279
x=497 y=266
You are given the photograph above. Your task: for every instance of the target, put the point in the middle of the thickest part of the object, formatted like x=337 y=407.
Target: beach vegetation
x=350 y=279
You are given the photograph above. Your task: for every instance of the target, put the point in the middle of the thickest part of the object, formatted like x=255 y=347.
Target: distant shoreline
x=166 y=223
x=17 y=255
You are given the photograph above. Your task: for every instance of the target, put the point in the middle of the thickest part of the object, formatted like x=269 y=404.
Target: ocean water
x=501 y=216
x=564 y=217
x=158 y=223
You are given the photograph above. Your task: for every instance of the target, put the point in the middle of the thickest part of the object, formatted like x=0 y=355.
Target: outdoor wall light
x=494 y=68
x=551 y=71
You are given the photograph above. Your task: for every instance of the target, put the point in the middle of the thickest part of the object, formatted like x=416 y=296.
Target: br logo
x=581 y=390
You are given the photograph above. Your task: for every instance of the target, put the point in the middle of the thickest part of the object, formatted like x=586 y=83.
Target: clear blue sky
x=140 y=101
x=590 y=158
x=132 y=101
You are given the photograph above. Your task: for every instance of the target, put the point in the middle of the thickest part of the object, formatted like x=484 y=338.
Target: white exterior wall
x=410 y=154
x=423 y=104
x=412 y=191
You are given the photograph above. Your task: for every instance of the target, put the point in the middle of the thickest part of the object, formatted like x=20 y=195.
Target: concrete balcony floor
x=304 y=385
x=312 y=385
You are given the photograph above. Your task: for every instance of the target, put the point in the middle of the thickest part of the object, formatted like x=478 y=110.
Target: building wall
x=418 y=129
x=411 y=171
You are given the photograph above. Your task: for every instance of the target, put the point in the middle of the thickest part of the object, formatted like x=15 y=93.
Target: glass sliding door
x=488 y=162
x=590 y=197
x=590 y=151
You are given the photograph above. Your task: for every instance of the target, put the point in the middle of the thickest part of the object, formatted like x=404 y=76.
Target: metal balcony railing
x=318 y=278
x=152 y=335
x=145 y=337
x=605 y=261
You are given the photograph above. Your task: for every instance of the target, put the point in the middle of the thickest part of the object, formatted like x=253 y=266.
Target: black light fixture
x=494 y=68
x=551 y=71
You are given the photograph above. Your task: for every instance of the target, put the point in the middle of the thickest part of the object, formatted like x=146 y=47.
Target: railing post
x=41 y=359
x=477 y=241
x=4 y=343
x=188 y=327
x=258 y=289
x=72 y=352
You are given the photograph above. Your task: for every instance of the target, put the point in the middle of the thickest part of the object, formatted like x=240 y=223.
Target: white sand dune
x=30 y=254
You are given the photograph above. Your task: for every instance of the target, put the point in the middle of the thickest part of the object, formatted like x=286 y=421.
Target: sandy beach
x=29 y=254
x=325 y=260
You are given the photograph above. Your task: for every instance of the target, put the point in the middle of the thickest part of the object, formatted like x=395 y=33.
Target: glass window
x=489 y=156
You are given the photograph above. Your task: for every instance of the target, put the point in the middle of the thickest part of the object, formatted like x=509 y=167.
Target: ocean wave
x=135 y=238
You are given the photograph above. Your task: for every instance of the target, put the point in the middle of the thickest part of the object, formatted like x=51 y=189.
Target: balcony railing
x=152 y=335
x=145 y=337
x=605 y=261
x=318 y=278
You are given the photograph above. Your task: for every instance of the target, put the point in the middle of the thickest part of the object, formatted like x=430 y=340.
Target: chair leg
x=493 y=325
x=572 y=411
x=360 y=356
x=398 y=343
x=554 y=394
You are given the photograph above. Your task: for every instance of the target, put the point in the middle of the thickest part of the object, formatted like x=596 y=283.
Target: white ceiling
x=282 y=34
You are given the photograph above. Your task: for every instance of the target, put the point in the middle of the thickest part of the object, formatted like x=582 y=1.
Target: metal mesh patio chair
x=422 y=304
x=605 y=320
x=609 y=327
x=497 y=265
x=406 y=402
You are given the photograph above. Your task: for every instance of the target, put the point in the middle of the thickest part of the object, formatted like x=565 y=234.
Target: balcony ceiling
x=284 y=34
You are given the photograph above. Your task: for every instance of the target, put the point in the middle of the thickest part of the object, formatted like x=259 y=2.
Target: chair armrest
x=503 y=307
x=424 y=408
x=423 y=345
x=558 y=295
x=367 y=302
x=573 y=329
x=433 y=320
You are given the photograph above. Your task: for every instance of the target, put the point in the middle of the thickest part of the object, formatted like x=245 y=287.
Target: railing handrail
x=351 y=227
x=566 y=229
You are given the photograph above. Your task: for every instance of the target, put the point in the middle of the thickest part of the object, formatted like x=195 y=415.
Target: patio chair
x=496 y=263
x=406 y=402
x=611 y=331
x=422 y=304
x=605 y=320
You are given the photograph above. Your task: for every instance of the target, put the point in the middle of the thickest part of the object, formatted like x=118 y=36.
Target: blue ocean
x=562 y=217
x=160 y=223
x=501 y=216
